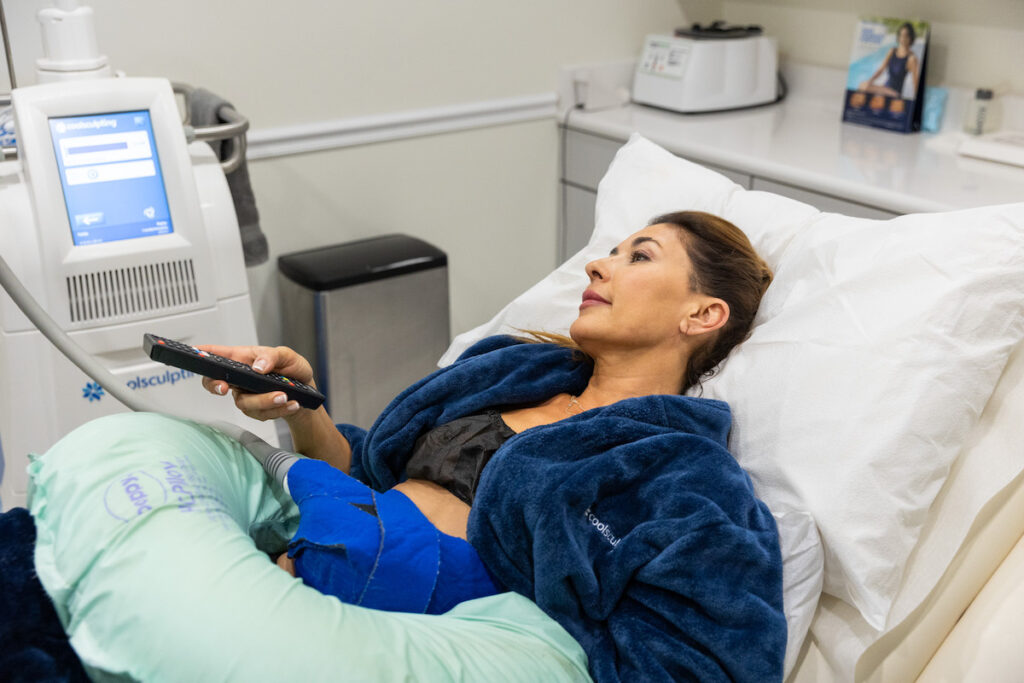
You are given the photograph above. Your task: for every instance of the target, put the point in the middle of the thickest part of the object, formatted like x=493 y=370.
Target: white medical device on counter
x=704 y=69
x=117 y=227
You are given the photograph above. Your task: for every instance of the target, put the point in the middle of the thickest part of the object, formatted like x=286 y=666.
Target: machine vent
x=132 y=291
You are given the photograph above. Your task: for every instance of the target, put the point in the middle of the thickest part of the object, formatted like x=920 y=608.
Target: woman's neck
x=629 y=375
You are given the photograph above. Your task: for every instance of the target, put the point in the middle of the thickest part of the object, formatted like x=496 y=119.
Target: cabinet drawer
x=578 y=206
x=823 y=201
x=587 y=158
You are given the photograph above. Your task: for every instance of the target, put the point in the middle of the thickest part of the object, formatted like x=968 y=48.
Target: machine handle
x=235 y=129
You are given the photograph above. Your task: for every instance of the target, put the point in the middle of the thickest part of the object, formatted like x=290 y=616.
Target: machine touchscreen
x=110 y=173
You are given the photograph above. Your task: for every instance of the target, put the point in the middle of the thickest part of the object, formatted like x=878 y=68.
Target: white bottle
x=982 y=113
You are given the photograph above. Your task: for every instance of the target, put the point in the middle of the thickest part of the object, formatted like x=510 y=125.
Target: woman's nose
x=596 y=270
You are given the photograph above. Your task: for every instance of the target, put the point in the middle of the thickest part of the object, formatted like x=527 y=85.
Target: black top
x=455 y=454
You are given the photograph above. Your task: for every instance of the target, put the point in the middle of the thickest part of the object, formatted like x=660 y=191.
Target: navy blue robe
x=631 y=524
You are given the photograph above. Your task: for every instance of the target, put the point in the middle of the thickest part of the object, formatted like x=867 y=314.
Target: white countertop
x=803 y=141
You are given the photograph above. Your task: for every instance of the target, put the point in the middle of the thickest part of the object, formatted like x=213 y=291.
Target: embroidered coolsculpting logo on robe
x=602 y=527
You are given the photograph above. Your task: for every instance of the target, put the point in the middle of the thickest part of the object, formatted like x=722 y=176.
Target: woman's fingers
x=256 y=356
x=287 y=362
x=264 y=406
x=263 y=359
x=215 y=386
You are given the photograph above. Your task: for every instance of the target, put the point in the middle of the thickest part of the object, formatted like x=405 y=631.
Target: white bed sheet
x=845 y=648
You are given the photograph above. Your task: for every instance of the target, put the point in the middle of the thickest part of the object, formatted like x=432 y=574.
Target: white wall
x=487 y=197
x=973 y=44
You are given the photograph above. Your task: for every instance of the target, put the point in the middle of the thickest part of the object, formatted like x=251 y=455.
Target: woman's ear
x=709 y=315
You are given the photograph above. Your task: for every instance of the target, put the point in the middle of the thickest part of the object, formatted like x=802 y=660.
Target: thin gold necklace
x=574 y=402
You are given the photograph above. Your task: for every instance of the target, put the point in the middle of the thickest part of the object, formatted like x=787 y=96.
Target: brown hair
x=726 y=267
x=565 y=341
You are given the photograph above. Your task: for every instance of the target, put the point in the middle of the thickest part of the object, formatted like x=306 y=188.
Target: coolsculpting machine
x=117 y=226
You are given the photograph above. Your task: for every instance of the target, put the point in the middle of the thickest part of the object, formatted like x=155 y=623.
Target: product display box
x=885 y=83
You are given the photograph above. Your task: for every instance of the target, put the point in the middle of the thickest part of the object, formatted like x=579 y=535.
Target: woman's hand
x=263 y=359
x=313 y=432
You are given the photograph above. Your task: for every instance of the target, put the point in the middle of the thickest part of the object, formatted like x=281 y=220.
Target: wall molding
x=318 y=136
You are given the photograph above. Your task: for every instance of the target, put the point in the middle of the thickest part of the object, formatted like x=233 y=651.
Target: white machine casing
x=188 y=285
x=692 y=75
x=69 y=45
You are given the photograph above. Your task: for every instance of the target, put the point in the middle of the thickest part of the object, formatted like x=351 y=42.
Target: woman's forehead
x=665 y=235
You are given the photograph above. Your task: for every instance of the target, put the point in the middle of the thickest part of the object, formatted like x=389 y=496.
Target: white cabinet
x=587 y=157
x=577 y=220
x=822 y=201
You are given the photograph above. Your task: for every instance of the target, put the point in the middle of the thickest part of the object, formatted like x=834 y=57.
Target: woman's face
x=904 y=37
x=639 y=295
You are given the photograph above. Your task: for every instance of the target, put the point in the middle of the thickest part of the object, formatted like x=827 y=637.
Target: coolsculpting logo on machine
x=94 y=392
x=168 y=377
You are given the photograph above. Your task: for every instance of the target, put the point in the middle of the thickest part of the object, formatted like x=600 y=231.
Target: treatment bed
x=882 y=392
x=877 y=407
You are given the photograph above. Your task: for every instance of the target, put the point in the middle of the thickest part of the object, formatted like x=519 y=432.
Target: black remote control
x=236 y=374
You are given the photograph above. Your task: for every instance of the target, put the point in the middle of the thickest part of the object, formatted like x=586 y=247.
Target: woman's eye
x=638 y=256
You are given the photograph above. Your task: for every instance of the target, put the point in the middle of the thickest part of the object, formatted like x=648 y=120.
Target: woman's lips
x=592 y=298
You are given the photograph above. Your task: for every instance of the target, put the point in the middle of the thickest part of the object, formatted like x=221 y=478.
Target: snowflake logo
x=92 y=391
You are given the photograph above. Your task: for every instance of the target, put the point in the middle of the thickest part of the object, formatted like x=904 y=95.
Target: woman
x=605 y=495
x=898 y=63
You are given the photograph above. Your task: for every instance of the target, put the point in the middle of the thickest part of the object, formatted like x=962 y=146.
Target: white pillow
x=802 y=574
x=873 y=353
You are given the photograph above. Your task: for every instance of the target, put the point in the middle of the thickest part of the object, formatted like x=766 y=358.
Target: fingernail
x=292 y=407
x=260 y=365
x=280 y=398
x=222 y=389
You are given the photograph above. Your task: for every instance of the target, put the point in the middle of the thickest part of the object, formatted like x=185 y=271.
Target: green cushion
x=153 y=534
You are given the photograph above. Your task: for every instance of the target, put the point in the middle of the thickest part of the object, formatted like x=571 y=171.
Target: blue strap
x=366 y=548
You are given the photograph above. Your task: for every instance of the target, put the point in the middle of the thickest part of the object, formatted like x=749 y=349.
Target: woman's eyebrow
x=638 y=240
x=644 y=238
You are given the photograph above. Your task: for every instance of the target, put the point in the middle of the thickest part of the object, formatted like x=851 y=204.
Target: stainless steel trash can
x=370 y=315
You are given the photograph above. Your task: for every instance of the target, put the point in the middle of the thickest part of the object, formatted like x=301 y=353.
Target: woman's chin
x=585 y=333
x=578 y=331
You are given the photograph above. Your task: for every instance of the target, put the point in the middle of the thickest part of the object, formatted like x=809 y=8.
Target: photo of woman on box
x=899 y=63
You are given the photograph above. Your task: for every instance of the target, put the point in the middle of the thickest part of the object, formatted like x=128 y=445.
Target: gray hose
x=274 y=460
